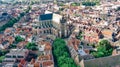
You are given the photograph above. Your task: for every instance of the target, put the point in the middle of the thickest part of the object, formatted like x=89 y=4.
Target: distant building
x=7 y=1
x=45 y=1
x=109 y=0
x=4 y=16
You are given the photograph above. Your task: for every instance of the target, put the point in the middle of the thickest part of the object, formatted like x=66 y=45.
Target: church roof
x=46 y=17
x=52 y=16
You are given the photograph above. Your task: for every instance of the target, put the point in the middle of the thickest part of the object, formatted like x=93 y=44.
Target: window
x=14 y=56
x=20 y=56
x=40 y=65
x=8 y=56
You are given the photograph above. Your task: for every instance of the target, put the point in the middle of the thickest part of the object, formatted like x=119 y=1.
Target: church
x=55 y=24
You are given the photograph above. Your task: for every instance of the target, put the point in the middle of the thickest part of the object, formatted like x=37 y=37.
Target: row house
x=22 y=44
x=107 y=33
x=5 y=41
x=91 y=39
x=118 y=36
x=78 y=51
x=9 y=31
x=14 y=57
x=22 y=63
x=26 y=33
x=45 y=47
x=92 y=34
x=45 y=58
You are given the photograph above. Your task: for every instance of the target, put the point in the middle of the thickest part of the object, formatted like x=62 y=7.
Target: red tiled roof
x=47 y=46
x=1 y=36
x=48 y=63
x=18 y=29
x=29 y=35
x=74 y=42
x=22 y=61
x=19 y=65
x=7 y=30
x=107 y=32
x=37 y=64
x=32 y=61
x=21 y=44
x=45 y=57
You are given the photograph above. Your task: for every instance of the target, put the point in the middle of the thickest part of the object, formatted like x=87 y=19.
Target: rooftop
x=46 y=17
x=48 y=63
x=82 y=52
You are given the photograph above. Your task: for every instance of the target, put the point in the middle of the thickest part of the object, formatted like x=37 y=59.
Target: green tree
x=75 y=4
x=80 y=35
x=1 y=58
x=104 y=49
x=19 y=39
x=118 y=9
x=61 y=54
x=32 y=46
x=22 y=14
x=12 y=46
x=3 y=52
x=89 y=3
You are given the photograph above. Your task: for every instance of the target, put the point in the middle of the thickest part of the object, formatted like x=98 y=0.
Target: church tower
x=63 y=30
